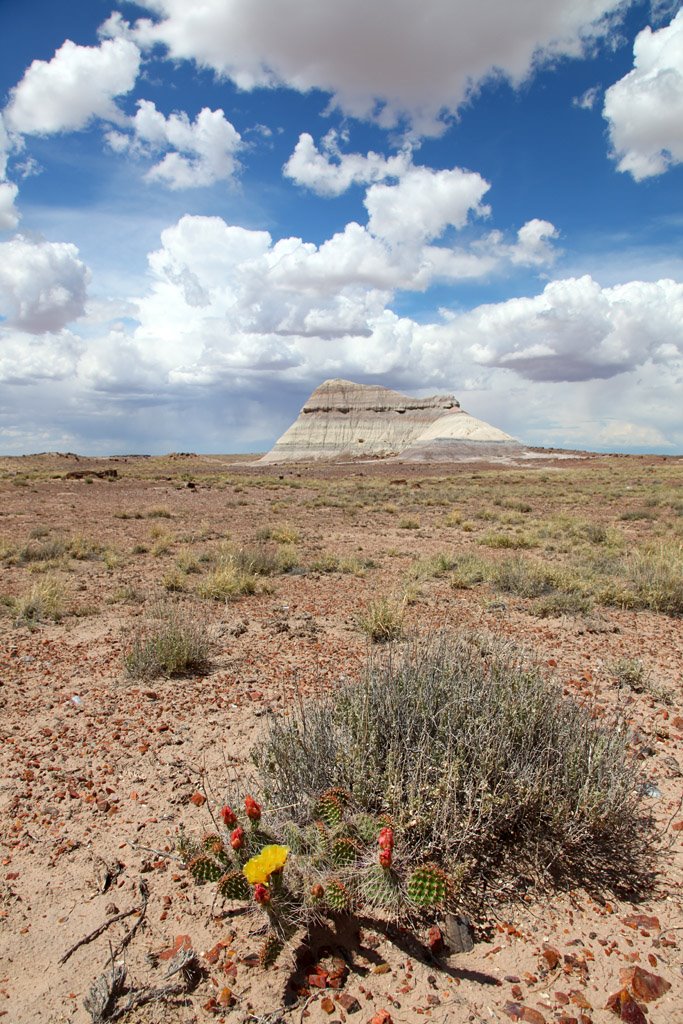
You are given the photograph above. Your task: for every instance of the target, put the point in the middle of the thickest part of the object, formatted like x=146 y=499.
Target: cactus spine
x=204 y=869
x=234 y=886
x=428 y=886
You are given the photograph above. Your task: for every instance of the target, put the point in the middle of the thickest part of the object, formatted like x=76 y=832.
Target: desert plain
x=104 y=761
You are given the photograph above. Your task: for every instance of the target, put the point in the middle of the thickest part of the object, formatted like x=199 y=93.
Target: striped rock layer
x=342 y=420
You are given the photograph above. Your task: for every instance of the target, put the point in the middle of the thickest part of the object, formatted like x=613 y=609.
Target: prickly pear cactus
x=214 y=846
x=234 y=886
x=428 y=886
x=270 y=950
x=345 y=852
x=366 y=827
x=205 y=869
x=337 y=896
x=381 y=887
x=329 y=809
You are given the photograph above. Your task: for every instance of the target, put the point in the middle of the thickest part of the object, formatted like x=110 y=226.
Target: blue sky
x=206 y=210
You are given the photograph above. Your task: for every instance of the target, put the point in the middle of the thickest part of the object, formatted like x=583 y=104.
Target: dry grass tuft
x=171 y=644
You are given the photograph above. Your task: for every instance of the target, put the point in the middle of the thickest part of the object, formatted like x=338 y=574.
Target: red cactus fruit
x=385 y=858
x=386 y=839
x=237 y=838
x=228 y=817
x=261 y=894
x=317 y=892
x=252 y=808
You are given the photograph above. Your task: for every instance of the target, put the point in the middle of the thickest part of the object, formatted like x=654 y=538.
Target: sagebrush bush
x=480 y=762
x=172 y=643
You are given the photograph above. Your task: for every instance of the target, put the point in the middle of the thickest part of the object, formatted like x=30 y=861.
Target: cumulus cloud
x=202 y=151
x=329 y=172
x=26 y=359
x=424 y=203
x=228 y=300
x=577 y=331
x=414 y=59
x=42 y=284
x=79 y=83
x=645 y=107
x=9 y=215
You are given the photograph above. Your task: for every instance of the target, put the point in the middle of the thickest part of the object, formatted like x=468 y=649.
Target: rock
x=458 y=931
x=342 y=420
x=644 y=984
x=624 y=1005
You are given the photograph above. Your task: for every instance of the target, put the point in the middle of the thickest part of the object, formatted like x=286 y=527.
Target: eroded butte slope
x=342 y=420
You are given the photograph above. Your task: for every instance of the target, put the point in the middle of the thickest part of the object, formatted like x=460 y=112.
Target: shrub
x=480 y=762
x=173 y=644
x=557 y=604
x=654 y=575
x=522 y=576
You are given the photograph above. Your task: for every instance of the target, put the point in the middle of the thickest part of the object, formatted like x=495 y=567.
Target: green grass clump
x=479 y=760
x=172 y=644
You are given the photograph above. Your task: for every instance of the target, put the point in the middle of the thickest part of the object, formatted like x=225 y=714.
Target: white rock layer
x=342 y=420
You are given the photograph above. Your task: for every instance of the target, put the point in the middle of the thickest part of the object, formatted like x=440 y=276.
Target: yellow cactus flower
x=270 y=859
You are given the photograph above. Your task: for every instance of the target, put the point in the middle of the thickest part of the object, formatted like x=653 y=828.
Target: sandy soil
x=100 y=770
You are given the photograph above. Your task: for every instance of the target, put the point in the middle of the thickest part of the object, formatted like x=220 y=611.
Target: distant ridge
x=342 y=420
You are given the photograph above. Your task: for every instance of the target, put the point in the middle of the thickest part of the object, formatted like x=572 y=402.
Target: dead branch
x=144 y=893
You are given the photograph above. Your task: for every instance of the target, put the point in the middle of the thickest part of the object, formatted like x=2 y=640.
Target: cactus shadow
x=352 y=939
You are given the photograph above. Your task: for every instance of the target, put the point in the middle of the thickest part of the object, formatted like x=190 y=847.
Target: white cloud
x=225 y=299
x=424 y=203
x=645 y=108
x=328 y=172
x=202 y=151
x=416 y=59
x=26 y=359
x=577 y=331
x=588 y=99
x=9 y=215
x=42 y=284
x=77 y=85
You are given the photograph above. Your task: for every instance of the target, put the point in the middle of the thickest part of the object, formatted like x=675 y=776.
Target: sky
x=207 y=209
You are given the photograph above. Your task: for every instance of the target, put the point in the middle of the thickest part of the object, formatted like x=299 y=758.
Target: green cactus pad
x=270 y=950
x=205 y=869
x=345 y=852
x=329 y=809
x=381 y=888
x=214 y=845
x=341 y=795
x=428 y=886
x=366 y=827
x=234 y=886
x=337 y=896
